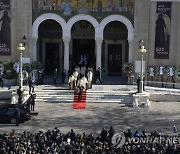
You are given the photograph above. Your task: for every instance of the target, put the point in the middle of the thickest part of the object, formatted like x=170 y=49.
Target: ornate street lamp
x=142 y=50
x=21 y=48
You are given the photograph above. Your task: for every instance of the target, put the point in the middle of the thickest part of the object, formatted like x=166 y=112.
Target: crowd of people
x=56 y=142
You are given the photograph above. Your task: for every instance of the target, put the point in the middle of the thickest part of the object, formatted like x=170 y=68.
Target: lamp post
x=24 y=40
x=21 y=48
x=142 y=50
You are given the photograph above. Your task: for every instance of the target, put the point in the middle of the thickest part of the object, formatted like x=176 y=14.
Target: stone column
x=34 y=52
x=98 y=52
x=130 y=60
x=66 y=41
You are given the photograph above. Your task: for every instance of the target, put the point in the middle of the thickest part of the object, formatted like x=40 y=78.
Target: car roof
x=11 y=105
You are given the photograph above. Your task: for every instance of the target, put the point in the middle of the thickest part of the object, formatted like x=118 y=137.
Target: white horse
x=85 y=82
x=71 y=82
x=82 y=82
x=89 y=79
x=75 y=74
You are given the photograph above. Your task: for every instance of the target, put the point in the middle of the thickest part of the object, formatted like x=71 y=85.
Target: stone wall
x=144 y=28
x=21 y=24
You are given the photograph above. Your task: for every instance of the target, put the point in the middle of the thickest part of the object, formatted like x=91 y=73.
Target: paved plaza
x=96 y=116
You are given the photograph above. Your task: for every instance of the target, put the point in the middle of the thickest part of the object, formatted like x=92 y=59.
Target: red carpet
x=80 y=104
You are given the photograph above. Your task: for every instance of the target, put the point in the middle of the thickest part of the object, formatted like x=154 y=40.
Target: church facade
x=63 y=34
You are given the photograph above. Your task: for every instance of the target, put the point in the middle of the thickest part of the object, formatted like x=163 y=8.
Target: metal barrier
x=162 y=84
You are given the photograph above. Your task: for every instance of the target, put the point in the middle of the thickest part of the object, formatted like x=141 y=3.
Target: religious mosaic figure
x=160 y=31
x=65 y=7
x=88 y=2
x=92 y=3
x=35 y=6
x=5 y=29
x=46 y=2
x=83 y=9
x=99 y=8
x=109 y=5
x=130 y=5
x=77 y=3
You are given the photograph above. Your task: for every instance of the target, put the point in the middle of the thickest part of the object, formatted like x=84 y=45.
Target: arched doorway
x=115 y=47
x=50 y=45
x=83 y=44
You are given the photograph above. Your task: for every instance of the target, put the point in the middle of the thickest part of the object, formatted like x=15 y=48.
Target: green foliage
x=27 y=67
x=9 y=69
x=36 y=65
x=128 y=67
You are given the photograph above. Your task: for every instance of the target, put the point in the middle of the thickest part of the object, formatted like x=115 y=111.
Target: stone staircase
x=113 y=90
x=98 y=94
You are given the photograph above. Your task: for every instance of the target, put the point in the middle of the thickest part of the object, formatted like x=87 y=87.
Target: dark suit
x=1 y=80
x=138 y=84
x=19 y=92
x=98 y=76
x=30 y=85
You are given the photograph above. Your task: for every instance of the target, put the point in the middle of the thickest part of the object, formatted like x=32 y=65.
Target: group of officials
x=82 y=77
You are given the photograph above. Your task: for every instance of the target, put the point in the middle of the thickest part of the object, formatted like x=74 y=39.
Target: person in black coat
x=78 y=90
x=30 y=85
x=103 y=135
x=138 y=83
x=32 y=102
x=63 y=76
x=55 y=76
x=143 y=83
x=98 y=75
x=1 y=79
x=68 y=148
x=19 y=93
x=40 y=80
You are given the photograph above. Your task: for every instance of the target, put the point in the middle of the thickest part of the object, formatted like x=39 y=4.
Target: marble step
x=92 y=97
